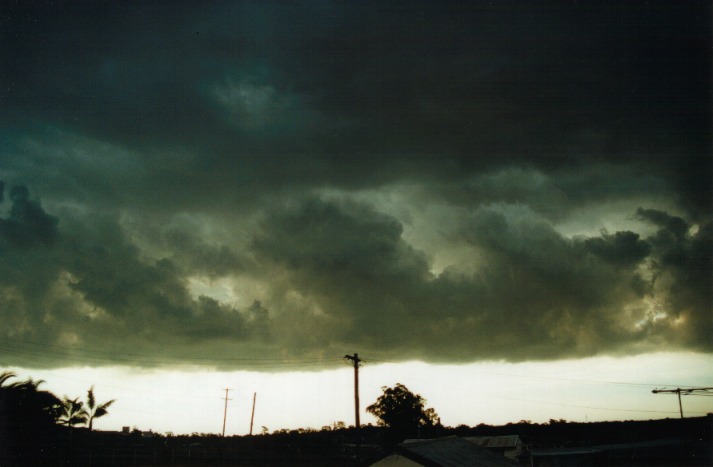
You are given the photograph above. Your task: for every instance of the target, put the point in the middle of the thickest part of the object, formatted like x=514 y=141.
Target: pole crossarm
x=683 y=391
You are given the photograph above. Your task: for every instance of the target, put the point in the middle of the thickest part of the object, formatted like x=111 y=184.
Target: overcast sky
x=217 y=183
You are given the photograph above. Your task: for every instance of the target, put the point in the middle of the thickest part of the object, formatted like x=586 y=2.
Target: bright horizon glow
x=495 y=393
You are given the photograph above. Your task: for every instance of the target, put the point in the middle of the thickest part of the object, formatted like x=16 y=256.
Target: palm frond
x=6 y=375
x=90 y=398
x=73 y=412
x=95 y=411
x=106 y=405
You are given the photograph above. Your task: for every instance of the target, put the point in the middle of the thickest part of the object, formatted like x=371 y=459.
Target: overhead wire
x=551 y=378
x=576 y=380
x=26 y=350
x=44 y=350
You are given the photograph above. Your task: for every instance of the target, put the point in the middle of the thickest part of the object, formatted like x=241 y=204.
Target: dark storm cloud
x=344 y=269
x=539 y=295
x=622 y=247
x=684 y=268
x=436 y=180
x=352 y=263
x=94 y=286
x=277 y=93
x=28 y=224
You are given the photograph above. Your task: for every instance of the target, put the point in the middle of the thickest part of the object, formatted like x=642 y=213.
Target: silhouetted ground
x=560 y=433
x=62 y=446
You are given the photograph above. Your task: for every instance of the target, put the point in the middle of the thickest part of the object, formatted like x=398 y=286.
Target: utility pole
x=225 y=410
x=355 y=360
x=252 y=417
x=678 y=391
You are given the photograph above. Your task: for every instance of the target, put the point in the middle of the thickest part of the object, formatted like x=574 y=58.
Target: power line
x=561 y=404
x=27 y=349
x=36 y=349
x=33 y=349
x=113 y=354
x=573 y=380
x=548 y=378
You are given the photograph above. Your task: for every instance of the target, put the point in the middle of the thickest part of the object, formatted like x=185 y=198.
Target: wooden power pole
x=225 y=410
x=252 y=417
x=355 y=360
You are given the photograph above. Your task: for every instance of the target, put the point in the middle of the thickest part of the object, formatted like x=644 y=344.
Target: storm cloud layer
x=434 y=181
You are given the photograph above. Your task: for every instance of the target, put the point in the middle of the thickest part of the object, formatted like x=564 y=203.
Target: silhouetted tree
x=93 y=410
x=27 y=417
x=402 y=411
x=73 y=412
x=28 y=401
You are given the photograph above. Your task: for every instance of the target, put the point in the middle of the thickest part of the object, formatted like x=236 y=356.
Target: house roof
x=641 y=446
x=510 y=441
x=451 y=451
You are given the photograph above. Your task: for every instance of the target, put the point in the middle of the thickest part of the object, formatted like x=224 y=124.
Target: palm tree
x=95 y=411
x=73 y=412
x=5 y=376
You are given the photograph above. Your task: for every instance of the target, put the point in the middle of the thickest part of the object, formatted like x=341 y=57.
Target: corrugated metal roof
x=452 y=452
x=510 y=441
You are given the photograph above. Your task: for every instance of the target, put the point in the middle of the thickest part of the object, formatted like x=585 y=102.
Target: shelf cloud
x=445 y=182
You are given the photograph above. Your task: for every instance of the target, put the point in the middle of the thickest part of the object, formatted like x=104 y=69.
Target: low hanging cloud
x=440 y=181
x=338 y=274
x=93 y=289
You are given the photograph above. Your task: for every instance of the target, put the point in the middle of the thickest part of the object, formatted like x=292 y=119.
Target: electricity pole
x=355 y=360
x=252 y=417
x=678 y=391
x=225 y=410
